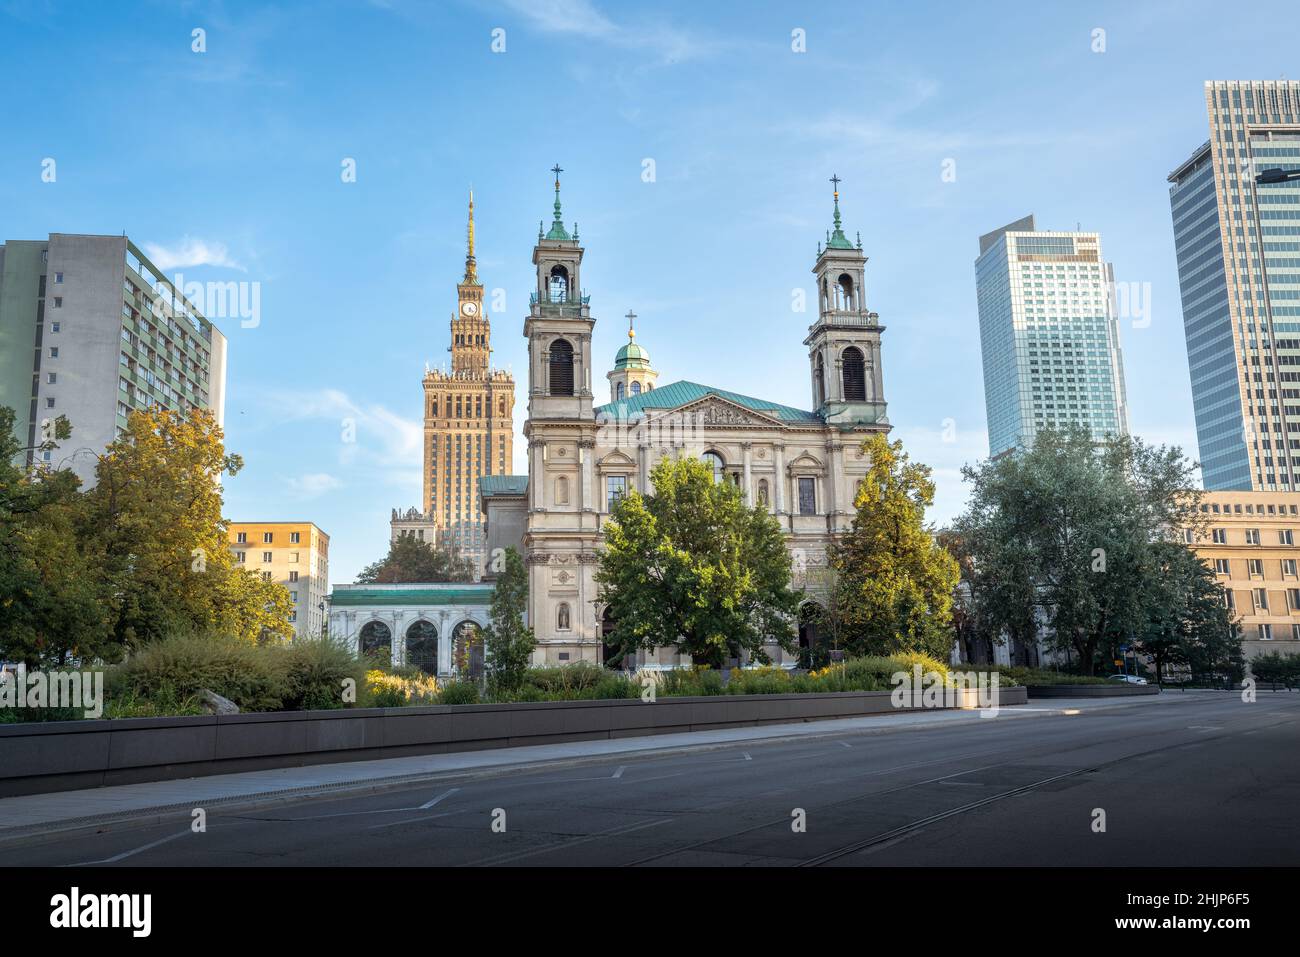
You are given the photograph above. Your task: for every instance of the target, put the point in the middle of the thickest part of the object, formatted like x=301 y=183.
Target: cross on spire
x=631 y=321
x=837 y=239
x=557 y=230
x=835 y=179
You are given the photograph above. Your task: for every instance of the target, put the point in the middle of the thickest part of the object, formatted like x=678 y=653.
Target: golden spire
x=471 y=267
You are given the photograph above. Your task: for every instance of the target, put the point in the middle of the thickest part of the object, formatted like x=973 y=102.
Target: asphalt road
x=1206 y=781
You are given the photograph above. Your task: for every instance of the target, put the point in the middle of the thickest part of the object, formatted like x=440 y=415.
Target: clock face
x=470 y=308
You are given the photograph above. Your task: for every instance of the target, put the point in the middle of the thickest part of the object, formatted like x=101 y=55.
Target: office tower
x=1048 y=334
x=90 y=329
x=293 y=554
x=1238 y=246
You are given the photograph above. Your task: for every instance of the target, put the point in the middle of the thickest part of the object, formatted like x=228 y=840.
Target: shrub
x=178 y=667
x=385 y=690
x=684 y=682
x=765 y=680
x=315 y=670
x=458 y=692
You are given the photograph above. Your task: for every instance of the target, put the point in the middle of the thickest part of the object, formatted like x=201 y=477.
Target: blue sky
x=226 y=164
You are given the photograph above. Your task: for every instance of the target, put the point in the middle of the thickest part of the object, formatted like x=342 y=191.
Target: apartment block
x=1252 y=541
x=90 y=329
x=293 y=554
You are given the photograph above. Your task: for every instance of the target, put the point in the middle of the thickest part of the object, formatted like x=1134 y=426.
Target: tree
x=1071 y=528
x=509 y=643
x=156 y=509
x=898 y=581
x=52 y=608
x=692 y=566
x=975 y=638
x=410 y=559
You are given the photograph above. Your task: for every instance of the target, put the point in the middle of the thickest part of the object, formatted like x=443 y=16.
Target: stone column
x=747 y=448
x=779 y=490
x=643 y=467
x=444 y=645
x=832 y=471
x=585 y=450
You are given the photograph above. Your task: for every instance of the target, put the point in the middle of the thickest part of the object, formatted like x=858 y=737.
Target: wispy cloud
x=191 y=251
x=581 y=18
x=313 y=484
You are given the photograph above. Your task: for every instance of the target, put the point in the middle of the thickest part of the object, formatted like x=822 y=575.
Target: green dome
x=632 y=356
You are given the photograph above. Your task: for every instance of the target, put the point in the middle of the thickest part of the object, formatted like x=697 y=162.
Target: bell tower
x=844 y=342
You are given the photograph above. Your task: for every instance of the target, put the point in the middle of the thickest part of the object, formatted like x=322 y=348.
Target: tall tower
x=844 y=343
x=1235 y=239
x=468 y=423
x=1049 y=336
x=563 y=531
x=632 y=373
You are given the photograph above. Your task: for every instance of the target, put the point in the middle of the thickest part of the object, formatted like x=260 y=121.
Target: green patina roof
x=630 y=354
x=503 y=484
x=417 y=593
x=676 y=394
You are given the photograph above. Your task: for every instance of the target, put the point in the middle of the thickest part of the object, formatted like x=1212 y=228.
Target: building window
x=58 y=302
x=293 y=615
x=1252 y=536
x=636 y=388
x=714 y=461
x=295 y=538
x=615 y=489
x=855 y=376
x=1293 y=598
x=293 y=558
x=241 y=538
x=266 y=576
x=1221 y=566
x=293 y=596
x=558 y=290
x=51 y=378
x=54 y=352
x=562 y=622
x=618 y=392
x=266 y=557
x=239 y=557
x=1256 y=567
x=1284 y=537
x=561 y=367
x=293 y=576
x=49 y=402
x=267 y=538
x=1261 y=598
x=1220 y=536
x=58 y=277
x=807 y=495
x=54 y=326
x=1265 y=632
x=1289 y=567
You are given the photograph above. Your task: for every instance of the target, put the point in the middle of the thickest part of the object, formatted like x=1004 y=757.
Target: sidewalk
x=28 y=815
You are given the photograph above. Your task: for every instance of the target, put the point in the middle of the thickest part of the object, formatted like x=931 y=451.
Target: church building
x=804 y=466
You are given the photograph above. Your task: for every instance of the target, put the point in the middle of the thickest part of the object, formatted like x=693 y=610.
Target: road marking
x=408 y=820
x=746 y=754
x=563 y=845
x=619 y=772
x=131 y=853
x=1205 y=727
x=445 y=794
x=844 y=744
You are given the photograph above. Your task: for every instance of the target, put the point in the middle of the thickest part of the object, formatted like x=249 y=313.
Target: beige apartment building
x=1251 y=540
x=294 y=554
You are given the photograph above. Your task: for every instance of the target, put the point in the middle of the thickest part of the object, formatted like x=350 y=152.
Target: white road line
x=565 y=845
x=408 y=820
x=131 y=853
x=619 y=772
x=746 y=754
x=445 y=794
x=844 y=744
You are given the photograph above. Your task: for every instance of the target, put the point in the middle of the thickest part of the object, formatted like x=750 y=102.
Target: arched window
x=375 y=636
x=846 y=291
x=562 y=622
x=714 y=461
x=558 y=289
x=855 y=375
x=422 y=647
x=636 y=388
x=618 y=392
x=561 y=367
x=467 y=649
x=649 y=386
x=561 y=491
x=501 y=406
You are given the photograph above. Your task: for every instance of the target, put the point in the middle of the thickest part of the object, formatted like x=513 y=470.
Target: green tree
x=509 y=642
x=1070 y=528
x=898 y=581
x=692 y=567
x=410 y=559
x=156 y=508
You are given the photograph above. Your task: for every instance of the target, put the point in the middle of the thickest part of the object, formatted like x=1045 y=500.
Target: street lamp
x=1276 y=175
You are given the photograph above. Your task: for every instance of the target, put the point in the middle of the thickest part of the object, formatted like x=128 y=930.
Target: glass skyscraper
x=1048 y=334
x=1238 y=247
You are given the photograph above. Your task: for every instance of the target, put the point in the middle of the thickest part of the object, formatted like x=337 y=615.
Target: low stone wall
x=1115 y=690
x=64 y=755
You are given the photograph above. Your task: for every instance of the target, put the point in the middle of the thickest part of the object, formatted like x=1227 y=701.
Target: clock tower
x=470 y=349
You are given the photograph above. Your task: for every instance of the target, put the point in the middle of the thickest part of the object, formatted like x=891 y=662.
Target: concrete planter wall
x=1091 y=691
x=58 y=756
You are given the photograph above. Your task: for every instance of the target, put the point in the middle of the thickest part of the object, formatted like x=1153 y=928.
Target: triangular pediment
x=713 y=411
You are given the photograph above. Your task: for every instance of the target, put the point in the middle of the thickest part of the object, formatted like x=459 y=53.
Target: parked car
x=1129 y=679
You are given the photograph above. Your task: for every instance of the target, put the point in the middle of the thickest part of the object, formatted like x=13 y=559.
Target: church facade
x=803 y=466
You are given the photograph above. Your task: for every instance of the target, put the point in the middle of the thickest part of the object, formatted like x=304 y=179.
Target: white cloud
x=367 y=434
x=582 y=18
x=191 y=251
x=313 y=484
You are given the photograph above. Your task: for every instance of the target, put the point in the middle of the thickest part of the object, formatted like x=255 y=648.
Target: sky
x=697 y=144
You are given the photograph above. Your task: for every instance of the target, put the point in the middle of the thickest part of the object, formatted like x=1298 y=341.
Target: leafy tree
x=51 y=604
x=156 y=508
x=509 y=643
x=1276 y=667
x=975 y=637
x=1071 y=528
x=898 y=581
x=692 y=566
x=410 y=559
